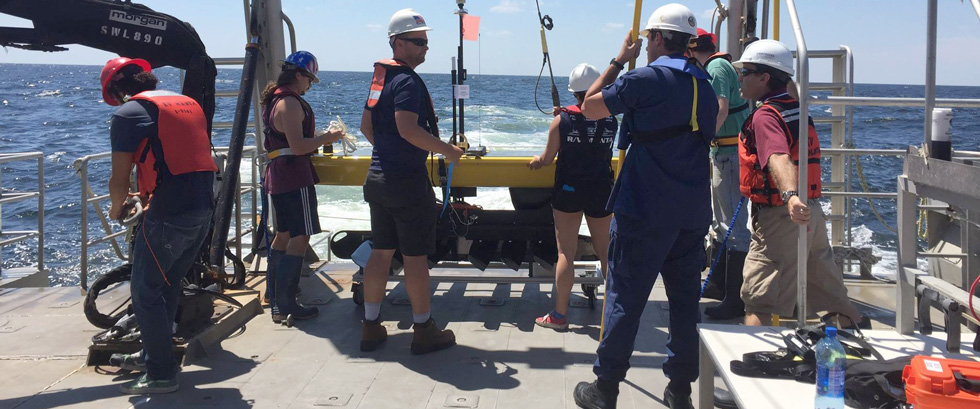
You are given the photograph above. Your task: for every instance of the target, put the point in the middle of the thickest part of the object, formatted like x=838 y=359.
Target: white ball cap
x=770 y=53
x=582 y=77
x=672 y=17
x=406 y=21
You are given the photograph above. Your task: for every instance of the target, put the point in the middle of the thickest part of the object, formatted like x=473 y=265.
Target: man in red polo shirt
x=768 y=156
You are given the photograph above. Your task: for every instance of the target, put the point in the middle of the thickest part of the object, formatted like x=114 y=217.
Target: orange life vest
x=181 y=144
x=755 y=182
x=378 y=84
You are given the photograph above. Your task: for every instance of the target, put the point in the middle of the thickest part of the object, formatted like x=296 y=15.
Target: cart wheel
x=288 y=322
x=589 y=290
x=358 y=291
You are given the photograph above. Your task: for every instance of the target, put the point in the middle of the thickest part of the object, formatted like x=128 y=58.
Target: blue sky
x=887 y=36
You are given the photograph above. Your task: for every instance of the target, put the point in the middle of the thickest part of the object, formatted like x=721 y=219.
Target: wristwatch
x=788 y=194
x=616 y=64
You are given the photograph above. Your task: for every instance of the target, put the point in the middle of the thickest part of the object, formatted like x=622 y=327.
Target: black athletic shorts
x=296 y=212
x=589 y=197
x=403 y=213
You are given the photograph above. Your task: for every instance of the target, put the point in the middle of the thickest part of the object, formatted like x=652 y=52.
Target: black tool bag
x=873 y=384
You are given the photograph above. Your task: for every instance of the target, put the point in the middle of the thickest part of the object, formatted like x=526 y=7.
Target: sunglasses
x=420 y=42
x=745 y=71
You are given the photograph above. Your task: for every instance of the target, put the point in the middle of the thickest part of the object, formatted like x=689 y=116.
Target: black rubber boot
x=270 y=275
x=724 y=399
x=732 y=306
x=678 y=395
x=287 y=281
x=715 y=289
x=596 y=395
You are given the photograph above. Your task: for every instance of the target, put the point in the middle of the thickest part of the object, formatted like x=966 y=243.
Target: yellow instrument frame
x=471 y=171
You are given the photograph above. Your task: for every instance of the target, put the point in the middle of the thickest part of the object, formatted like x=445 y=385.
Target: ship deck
x=502 y=359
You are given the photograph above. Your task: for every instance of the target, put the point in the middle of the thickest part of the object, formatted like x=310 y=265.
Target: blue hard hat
x=306 y=61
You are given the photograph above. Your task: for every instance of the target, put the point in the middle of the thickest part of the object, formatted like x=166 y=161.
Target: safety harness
x=692 y=127
x=870 y=380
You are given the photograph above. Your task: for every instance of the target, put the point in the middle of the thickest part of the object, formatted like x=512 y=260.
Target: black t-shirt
x=174 y=195
x=392 y=154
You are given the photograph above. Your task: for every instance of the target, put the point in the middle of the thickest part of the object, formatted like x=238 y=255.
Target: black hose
x=229 y=189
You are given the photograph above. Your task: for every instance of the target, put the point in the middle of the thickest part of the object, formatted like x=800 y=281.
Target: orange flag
x=471 y=27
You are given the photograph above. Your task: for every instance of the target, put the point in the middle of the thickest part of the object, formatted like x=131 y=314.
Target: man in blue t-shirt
x=170 y=149
x=661 y=202
x=400 y=122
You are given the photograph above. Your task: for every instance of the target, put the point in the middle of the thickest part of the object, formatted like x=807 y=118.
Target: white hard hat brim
x=411 y=31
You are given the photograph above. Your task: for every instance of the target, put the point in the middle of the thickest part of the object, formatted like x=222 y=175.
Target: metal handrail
x=89 y=197
x=11 y=197
x=111 y=236
x=292 y=31
x=803 y=78
x=931 y=13
x=849 y=138
x=893 y=102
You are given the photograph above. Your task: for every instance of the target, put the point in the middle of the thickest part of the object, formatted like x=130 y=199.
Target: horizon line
x=470 y=74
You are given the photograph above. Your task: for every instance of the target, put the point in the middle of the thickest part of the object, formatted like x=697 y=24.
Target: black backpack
x=874 y=384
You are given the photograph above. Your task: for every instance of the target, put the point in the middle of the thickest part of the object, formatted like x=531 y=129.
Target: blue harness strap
x=727 y=233
x=445 y=189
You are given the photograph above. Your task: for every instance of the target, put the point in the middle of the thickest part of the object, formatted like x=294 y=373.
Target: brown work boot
x=373 y=334
x=429 y=338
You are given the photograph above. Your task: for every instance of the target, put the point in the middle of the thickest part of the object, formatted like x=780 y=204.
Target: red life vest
x=727 y=57
x=378 y=84
x=181 y=144
x=755 y=182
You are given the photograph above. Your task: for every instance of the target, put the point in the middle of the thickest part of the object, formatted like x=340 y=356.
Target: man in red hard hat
x=164 y=134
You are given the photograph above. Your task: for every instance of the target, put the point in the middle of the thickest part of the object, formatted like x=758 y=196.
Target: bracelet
x=616 y=64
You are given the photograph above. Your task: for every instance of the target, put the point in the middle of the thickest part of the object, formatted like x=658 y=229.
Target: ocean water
x=58 y=110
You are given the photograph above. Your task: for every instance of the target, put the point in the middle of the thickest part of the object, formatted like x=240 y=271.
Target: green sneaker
x=130 y=362
x=144 y=385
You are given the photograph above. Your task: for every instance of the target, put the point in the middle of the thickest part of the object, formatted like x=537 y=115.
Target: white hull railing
x=111 y=235
x=9 y=237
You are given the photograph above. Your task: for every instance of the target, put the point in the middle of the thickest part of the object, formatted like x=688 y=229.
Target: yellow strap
x=279 y=152
x=694 y=107
x=726 y=141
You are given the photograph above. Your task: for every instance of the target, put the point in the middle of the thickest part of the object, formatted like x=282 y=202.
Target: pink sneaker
x=549 y=321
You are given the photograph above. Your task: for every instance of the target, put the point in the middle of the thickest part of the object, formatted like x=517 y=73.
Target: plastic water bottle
x=830 y=371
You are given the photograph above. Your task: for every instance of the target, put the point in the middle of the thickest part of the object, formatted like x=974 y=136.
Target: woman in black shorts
x=583 y=181
x=291 y=138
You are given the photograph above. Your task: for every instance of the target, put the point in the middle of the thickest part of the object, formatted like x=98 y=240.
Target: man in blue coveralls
x=661 y=202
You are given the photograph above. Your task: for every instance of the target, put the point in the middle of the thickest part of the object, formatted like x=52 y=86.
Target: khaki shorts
x=771 y=266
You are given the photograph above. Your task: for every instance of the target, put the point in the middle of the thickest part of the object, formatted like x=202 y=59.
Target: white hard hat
x=770 y=53
x=582 y=77
x=672 y=17
x=406 y=21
